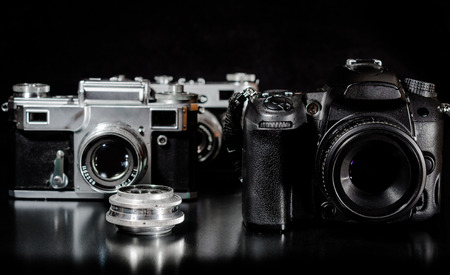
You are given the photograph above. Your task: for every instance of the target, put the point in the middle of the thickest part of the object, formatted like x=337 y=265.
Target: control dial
x=418 y=87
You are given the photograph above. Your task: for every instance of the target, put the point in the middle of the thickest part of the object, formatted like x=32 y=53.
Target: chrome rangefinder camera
x=213 y=102
x=115 y=133
x=366 y=147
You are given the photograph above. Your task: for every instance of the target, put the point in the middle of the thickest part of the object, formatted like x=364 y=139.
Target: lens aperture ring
x=145 y=209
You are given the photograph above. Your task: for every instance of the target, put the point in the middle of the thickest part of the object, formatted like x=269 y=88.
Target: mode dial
x=278 y=103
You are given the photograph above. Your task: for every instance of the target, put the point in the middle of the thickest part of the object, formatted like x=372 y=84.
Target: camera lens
x=111 y=156
x=111 y=159
x=377 y=166
x=209 y=137
x=371 y=170
x=145 y=209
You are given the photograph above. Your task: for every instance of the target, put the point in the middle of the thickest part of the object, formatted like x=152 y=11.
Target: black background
x=287 y=44
x=292 y=44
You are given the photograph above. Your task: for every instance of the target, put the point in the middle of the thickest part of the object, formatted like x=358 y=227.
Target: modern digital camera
x=366 y=148
x=115 y=133
x=213 y=102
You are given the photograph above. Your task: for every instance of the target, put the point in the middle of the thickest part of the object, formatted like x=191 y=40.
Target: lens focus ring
x=353 y=166
x=209 y=137
x=145 y=209
x=111 y=156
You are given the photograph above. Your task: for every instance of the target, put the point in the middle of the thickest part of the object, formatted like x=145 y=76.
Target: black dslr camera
x=366 y=147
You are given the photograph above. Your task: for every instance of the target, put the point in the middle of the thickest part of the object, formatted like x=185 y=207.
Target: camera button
x=423 y=112
x=202 y=99
x=328 y=210
x=429 y=163
x=278 y=103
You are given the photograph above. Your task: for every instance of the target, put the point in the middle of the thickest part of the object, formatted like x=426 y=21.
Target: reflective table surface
x=73 y=237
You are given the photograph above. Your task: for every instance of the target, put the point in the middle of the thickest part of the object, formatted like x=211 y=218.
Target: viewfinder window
x=37 y=117
x=225 y=94
x=163 y=118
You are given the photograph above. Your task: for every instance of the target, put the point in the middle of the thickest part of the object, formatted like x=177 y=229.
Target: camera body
x=115 y=133
x=364 y=148
x=213 y=102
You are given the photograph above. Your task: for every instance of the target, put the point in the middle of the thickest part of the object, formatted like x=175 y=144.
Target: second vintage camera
x=366 y=147
x=213 y=99
x=115 y=133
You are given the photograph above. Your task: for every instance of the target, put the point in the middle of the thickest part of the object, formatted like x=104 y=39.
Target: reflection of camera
x=371 y=145
x=115 y=133
x=213 y=97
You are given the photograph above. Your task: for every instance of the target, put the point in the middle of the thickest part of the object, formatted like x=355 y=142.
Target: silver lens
x=145 y=209
x=111 y=156
x=209 y=137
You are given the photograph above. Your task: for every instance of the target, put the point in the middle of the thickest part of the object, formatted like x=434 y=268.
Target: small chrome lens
x=145 y=209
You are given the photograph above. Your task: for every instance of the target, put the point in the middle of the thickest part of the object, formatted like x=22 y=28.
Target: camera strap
x=232 y=130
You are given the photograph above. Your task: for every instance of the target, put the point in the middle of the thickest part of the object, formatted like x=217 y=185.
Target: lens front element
x=377 y=166
x=112 y=157
x=371 y=170
x=145 y=209
x=111 y=160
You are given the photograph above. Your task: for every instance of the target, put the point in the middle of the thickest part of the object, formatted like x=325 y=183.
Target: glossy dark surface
x=74 y=237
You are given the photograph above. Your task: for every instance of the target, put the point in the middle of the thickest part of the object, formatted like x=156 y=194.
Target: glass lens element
x=111 y=160
x=378 y=166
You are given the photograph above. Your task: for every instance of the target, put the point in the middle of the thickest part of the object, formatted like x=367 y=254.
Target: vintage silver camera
x=213 y=101
x=117 y=132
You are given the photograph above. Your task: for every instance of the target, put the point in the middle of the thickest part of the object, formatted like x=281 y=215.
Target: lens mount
x=371 y=169
x=209 y=137
x=145 y=209
x=111 y=156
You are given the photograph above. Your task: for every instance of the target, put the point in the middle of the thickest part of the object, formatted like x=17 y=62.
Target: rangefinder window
x=37 y=117
x=164 y=118
x=225 y=94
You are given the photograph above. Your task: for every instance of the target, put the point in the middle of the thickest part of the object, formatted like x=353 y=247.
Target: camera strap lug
x=444 y=108
x=244 y=95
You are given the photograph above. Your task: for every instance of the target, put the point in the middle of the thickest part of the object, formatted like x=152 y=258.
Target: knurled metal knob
x=240 y=77
x=29 y=90
x=422 y=88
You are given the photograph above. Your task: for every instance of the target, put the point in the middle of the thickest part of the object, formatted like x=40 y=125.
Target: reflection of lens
x=112 y=156
x=371 y=170
x=111 y=160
